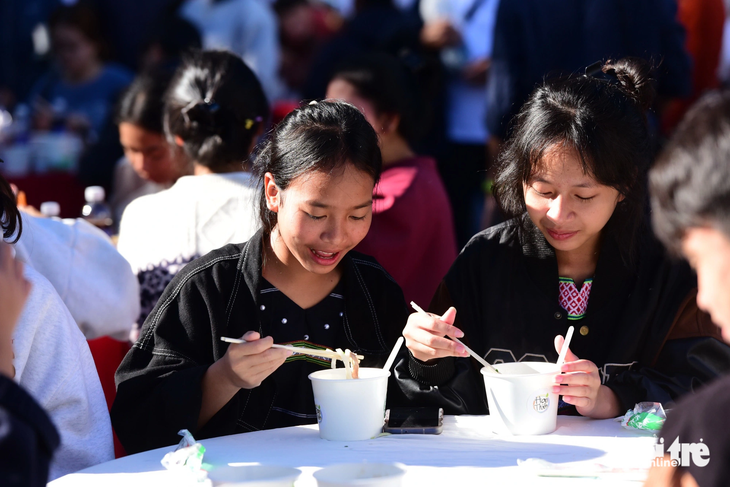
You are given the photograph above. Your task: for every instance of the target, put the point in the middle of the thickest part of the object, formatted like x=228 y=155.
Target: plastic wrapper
x=187 y=459
x=647 y=416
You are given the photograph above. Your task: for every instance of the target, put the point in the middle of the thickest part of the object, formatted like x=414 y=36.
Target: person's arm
x=691 y=355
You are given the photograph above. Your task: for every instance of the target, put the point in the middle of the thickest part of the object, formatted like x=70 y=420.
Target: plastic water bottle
x=50 y=209
x=96 y=211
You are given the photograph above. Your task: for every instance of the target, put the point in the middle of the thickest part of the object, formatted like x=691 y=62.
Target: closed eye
x=314 y=217
x=358 y=217
x=585 y=199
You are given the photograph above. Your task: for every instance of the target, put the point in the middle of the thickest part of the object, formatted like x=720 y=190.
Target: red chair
x=108 y=354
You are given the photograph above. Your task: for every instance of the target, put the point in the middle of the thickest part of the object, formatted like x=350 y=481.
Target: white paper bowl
x=350 y=409
x=361 y=475
x=254 y=476
x=520 y=398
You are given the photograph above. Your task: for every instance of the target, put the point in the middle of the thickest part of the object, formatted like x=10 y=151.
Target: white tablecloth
x=466 y=453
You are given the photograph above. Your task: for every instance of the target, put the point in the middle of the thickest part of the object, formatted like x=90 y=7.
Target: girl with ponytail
x=577 y=251
x=215 y=110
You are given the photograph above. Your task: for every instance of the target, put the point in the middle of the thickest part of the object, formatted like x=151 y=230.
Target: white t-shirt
x=162 y=232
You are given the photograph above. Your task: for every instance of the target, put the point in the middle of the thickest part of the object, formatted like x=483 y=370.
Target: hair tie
x=249 y=123
x=313 y=102
x=593 y=69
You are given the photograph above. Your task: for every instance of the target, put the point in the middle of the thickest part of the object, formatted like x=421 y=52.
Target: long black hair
x=604 y=119
x=216 y=105
x=322 y=136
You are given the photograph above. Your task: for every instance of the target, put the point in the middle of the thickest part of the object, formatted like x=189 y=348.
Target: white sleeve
x=54 y=364
x=93 y=279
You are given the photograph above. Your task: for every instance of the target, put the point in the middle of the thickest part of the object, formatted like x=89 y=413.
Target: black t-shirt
x=314 y=327
x=703 y=418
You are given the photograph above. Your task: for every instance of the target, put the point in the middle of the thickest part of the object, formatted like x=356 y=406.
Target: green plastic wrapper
x=647 y=416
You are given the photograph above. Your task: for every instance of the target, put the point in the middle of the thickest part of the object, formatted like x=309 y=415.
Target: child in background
x=412 y=234
x=215 y=109
x=296 y=281
x=576 y=252
x=150 y=162
x=691 y=210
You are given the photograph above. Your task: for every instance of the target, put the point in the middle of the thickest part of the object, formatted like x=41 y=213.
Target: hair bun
x=201 y=115
x=634 y=77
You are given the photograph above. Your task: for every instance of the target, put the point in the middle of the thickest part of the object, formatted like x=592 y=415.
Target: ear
x=272 y=193
x=390 y=123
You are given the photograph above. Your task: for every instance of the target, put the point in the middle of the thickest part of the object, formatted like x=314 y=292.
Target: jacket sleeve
x=454 y=384
x=159 y=381
x=691 y=355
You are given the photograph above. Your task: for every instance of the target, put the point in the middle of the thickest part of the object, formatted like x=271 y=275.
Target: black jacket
x=27 y=438
x=504 y=286
x=158 y=383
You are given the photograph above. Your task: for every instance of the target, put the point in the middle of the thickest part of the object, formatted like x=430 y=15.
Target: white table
x=466 y=453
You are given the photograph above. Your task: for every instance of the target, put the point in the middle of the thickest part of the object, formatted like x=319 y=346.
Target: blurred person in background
x=534 y=38
x=171 y=38
x=82 y=88
x=461 y=32
x=304 y=27
x=244 y=27
x=377 y=26
x=23 y=46
x=215 y=109
x=411 y=234
x=703 y=21
x=150 y=163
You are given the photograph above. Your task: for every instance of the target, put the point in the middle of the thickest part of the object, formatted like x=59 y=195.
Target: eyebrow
x=318 y=204
x=581 y=185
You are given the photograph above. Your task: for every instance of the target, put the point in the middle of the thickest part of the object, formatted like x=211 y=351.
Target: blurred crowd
x=116 y=97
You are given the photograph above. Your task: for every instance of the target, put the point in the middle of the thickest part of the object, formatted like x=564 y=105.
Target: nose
x=702 y=298
x=335 y=232
x=559 y=209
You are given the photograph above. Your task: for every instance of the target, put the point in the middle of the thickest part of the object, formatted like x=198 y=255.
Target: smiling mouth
x=323 y=256
x=560 y=235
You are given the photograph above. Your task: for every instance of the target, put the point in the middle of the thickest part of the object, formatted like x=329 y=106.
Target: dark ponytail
x=215 y=104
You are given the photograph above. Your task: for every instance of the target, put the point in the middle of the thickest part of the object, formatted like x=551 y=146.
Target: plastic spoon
x=393 y=353
x=566 y=345
x=477 y=357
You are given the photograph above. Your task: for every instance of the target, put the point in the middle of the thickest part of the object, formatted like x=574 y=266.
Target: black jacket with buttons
x=504 y=286
x=159 y=381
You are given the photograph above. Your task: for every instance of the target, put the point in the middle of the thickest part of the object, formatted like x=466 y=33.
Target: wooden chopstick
x=304 y=351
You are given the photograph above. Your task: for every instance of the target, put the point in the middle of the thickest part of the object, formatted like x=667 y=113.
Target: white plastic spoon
x=566 y=345
x=393 y=353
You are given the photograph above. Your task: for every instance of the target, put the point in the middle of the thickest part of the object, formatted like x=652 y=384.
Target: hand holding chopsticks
x=476 y=356
x=301 y=350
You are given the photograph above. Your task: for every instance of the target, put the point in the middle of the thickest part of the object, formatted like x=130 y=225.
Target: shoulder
x=696 y=414
x=369 y=267
x=502 y=236
x=116 y=74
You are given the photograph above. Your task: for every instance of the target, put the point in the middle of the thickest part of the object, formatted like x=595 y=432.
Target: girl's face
x=320 y=217
x=73 y=50
x=150 y=154
x=568 y=206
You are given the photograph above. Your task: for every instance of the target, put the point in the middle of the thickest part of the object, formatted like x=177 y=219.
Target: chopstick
x=304 y=351
x=477 y=357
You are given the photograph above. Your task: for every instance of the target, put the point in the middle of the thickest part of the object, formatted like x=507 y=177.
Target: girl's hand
x=581 y=386
x=425 y=336
x=248 y=364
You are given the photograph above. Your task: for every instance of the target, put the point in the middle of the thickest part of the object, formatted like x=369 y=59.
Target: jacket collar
x=361 y=314
x=612 y=274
